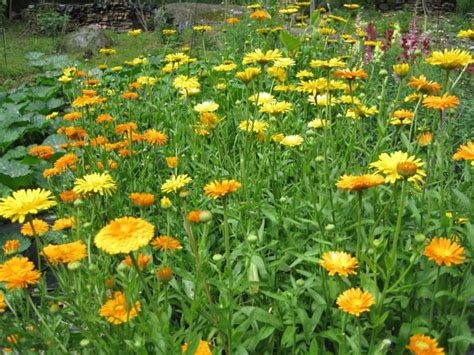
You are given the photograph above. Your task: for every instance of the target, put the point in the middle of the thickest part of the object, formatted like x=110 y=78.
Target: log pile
x=417 y=6
x=119 y=15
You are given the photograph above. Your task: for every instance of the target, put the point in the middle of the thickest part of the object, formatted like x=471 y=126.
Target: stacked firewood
x=119 y=15
x=417 y=6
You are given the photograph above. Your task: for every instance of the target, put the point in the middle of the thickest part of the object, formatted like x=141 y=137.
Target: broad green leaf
x=291 y=43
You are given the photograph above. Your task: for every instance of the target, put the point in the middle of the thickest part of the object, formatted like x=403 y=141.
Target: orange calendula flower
x=117 y=310
x=3 y=305
x=355 y=301
x=153 y=136
x=351 y=74
x=338 y=262
x=424 y=345
x=199 y=216
x=202 y=349
x=72 y=116
x=232 y=20
x=68 y=196
x=142 y=261
x=260 y=15
x=165 y=242
x=424 y=85
x=38 y=229
x=18 y=272
x=130 y=95
x=218 y=189
x=425 y=138
x=11 y=247
x=104 y=118
x=465 y=152
x=65 y=253
x=68 y=160
x=359 y=182
x=172 y=162
x=142 y=199
x=42 y=151
x=63 y=223
x=441 y=102
x=444 y=251
x=124 y=235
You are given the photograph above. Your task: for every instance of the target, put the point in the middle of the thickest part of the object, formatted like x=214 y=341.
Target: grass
x=19 y=42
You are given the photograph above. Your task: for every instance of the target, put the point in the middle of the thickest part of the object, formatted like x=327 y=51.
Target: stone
x=88 y=38
x=186 y=14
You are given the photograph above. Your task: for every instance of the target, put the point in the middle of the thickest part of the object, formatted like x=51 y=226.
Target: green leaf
x=291 y=43
x=287 y=339
x=263 y=316
x=463 y=199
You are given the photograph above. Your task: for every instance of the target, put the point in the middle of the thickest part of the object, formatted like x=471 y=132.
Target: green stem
x=28 y=297
x=401 y=209
x=434 y=295
x=359 y=223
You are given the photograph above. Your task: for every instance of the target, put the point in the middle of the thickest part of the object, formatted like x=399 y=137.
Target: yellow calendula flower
x=175 y=183
x=255 y=126
x=399 y=165
x=134 y=33
x=124 y=235
x=401 y=70
x=262 y=58
x=339 y=262
x=102 y=184
x=25 y=202
x=466 y=34
x=327 y=64
x=206 y=106
x=248 y=74
x=450 y=59
x=292 y=141
x=202 y=28
x=318 y=123
x=276 y=108
x=262 y=98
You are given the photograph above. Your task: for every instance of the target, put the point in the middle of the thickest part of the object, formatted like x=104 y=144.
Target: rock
x=88 y=38
x=185 y=14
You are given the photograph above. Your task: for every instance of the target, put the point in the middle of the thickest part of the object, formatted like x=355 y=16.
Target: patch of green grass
x=19 y=42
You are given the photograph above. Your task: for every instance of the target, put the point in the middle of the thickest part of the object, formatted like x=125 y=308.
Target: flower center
x=407 y=168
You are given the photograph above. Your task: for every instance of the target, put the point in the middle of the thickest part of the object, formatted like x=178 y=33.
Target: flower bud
x=78 y=202
x=74 y=265
x=319 y=158
x=54 y=308
x=300 y=282
x=217 y=257
x=84 y=342
x=420 y=237
x=87 y=225
x=205 y=216
x=252 y=238
x=165 y=202
x=383 y=72
x=164 y=273
x=330 y=227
